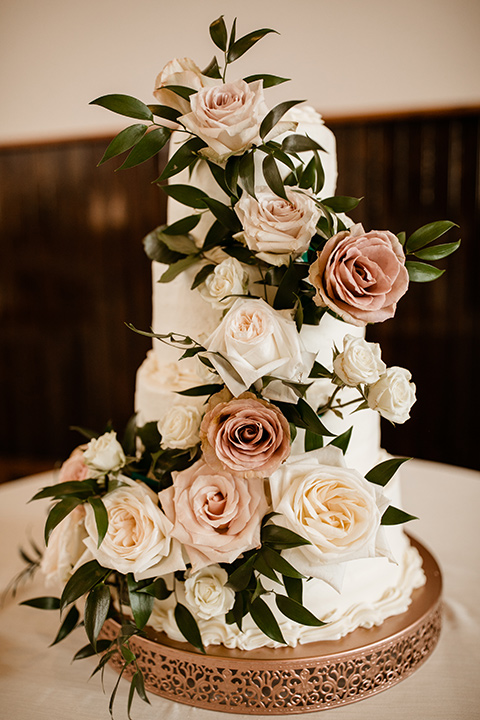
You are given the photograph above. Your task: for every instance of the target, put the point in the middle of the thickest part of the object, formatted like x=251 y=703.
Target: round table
x=42 y=683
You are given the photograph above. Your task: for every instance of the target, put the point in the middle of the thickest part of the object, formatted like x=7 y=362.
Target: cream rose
x=65 y=547
x=257 y=340
x=227 y=117
x=180 y=427
x=74 y=468
x=360 y=276
x=360 y=362
x=245 y=435
x=207 y=594
x=179 y=71
x=215 y=516
x=275 y=229
x=393 y=395
x=332 y=506
x=139 y=536
x=228 y=279
x=104 y=454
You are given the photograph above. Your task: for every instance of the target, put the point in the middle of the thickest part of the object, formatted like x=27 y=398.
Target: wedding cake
x=249 y=503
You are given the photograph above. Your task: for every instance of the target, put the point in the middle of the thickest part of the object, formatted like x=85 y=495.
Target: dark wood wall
x=72 y=271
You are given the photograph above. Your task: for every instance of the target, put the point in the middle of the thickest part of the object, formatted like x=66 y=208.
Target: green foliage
x=188 y=626
x=395 y=516
x=44 y=603
x=384 y=471
x=97 y=606
x=141 y=603
x=82 y=581
x=422 y=272
x=125 y=105
x=125 y=140
x=265 y=620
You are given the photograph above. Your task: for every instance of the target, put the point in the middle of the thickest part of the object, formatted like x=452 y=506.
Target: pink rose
x=74 y=468
x=248 y=436
x=360 y=276
x=216 y=516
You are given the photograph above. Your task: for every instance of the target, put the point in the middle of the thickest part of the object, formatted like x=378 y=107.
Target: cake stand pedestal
x=311 y=677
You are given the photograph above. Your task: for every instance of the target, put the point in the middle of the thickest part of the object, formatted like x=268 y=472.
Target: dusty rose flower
x=227 y=117
x=215 y=516
x=360 y=276
x=248 y=436
x=74 y=468
x=179 y=71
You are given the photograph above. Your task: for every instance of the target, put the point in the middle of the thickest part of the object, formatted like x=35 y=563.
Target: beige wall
x=345 y=57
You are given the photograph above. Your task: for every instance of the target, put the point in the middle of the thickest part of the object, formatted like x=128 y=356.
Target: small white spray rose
x=104 y=454
x=227 y=280
x=180 y=427
x=360 y=362
x=207 y=594
x=393 y=395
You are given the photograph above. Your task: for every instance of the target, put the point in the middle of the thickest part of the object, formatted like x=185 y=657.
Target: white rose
x=332 y=506
x=65 y=547
x=393 y=395
x=257 y=340
x=180 y=426
x=228 y=278
x=138 y=539
x=274 y=229
x=360 y=362
x=207 y=594
x=227 y=117
x=179 y=71
x=104 y=454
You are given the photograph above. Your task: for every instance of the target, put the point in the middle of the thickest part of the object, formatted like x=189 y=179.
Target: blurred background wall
x=397 y=82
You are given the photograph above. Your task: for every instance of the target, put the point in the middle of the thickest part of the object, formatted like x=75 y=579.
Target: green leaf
x=147 y=147
x=202 y=275
x=246 y=173
x=341 y=203
x=294 y=588
x=59 y=512
x=178 y=267
x=244 y=43
x=165 y=112
x=268 y=80
x=101 y=517
x=427 y=234
x=78 y=488
x=67 y=625
x=320 y=173
x=272 y=177
x=421 y=272
x=158 y=589
x=312 y=441
x=150 y=436
x=183 y=226
x=141 y=604
x=262 y=566
x=263 y=617
x=278 y=563
x=233 y=33
x=343 y=440
x=241 y=576
x=437 y=252
x=384 y=471
x=181 y=91
x=140 y=687
x=288 y=287
x=282 y=538
x=125 y=140
x=186 y=154
x=96 y=611
x=238 y=611
x=395 y=516
x=186 y=195
x=212 y=70
x=232 y=169
x=124 y=105
x=308 y=176
x=223 y=214
x=181 y=244
x=188 y=626
x=219 y=177
x=299 y=143
x=402 y=237
x=201 y=390
x=218 y=33
x=296 y=611
x=319 y=371
x=88 y=650
x=275 y=114
x=43 y=603
x=82 y=581
x=303 y=416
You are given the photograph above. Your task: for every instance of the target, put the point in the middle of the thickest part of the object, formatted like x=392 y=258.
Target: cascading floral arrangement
x=208 y=507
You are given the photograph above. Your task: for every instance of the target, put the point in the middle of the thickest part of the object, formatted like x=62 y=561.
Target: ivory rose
x=74 y=468
x=104 y=454
x=139 y=536
x=227 y=117
x=179 y=71
x=207 y=594
x=332 y=506
x=180 y=426
x=246 y=435
x=393 y=395
x=257 y=340
x=227 y=279
x=276 y=229
x=360 y=276
x=65 y=547
x=215 y=516
x=360 y=362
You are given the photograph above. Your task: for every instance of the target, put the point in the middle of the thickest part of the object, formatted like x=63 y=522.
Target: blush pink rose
x=360 y=276
x=74 y=468
x=248 y=436
x=216 y=516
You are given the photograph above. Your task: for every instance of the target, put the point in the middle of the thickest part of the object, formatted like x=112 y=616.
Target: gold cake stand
x=311 y=677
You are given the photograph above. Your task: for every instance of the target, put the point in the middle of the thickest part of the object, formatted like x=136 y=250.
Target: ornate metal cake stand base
x=316 y=676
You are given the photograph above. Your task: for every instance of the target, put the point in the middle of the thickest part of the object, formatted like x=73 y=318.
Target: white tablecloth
x=41 y=683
